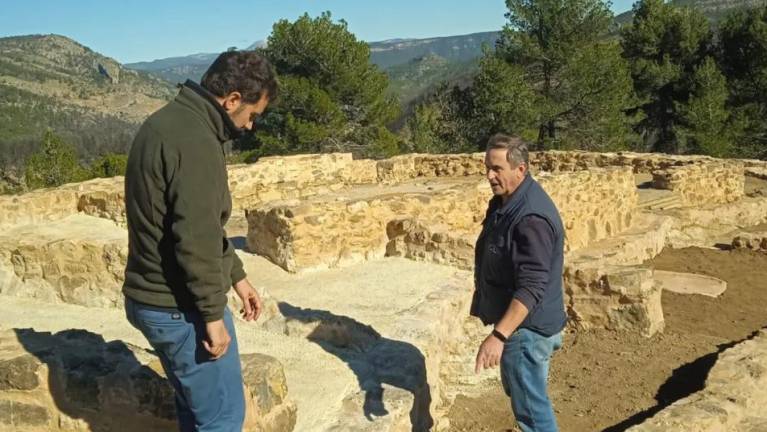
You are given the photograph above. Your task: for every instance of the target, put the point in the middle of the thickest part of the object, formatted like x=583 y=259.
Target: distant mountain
x=413 y=65
x=179 y=69
x=419 y=76
x=452 y=48
x=50 y=81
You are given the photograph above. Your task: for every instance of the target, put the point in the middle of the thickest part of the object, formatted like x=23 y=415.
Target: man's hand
x=217 y=339
x=251 y=301
x=489 y=354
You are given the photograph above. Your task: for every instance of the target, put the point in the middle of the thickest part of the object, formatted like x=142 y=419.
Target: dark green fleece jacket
x=177 y=202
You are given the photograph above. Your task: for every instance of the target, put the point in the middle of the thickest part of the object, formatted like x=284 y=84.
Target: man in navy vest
x=518 y=283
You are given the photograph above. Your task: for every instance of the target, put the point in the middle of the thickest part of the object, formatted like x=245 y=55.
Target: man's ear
x=232 y=101
x=522 y=167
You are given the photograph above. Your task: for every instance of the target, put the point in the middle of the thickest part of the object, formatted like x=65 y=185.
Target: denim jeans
x=209 y=393
x=524 y=374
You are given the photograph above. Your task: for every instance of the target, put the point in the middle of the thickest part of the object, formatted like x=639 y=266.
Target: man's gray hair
x=516 y=148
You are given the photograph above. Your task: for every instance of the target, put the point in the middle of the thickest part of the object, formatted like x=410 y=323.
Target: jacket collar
x=516 y=197
x=201 y=100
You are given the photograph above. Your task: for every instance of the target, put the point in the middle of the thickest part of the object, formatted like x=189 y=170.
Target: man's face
x=504 y=179
x=243 y=114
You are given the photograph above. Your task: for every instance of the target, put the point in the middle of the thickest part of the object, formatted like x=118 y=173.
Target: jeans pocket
x=542 y=349
x=152 y=317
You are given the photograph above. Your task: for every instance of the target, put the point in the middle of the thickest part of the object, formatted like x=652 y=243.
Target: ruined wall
x=557 y=160
x=301 y=176
x=715 y=182
x=405 y=167
x=293 y=177
x=733 y=398
x=327 y=231
x=98 y=197
x=333 y=230
x=593 y=204
x=78 y=260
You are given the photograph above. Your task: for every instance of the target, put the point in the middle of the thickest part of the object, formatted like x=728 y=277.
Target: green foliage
x=423 y=75
x=553 y=78
x=704 y=118
x=441 y=123
x=55 y=164
x=424 y=129
x=109 y=165
x=665 y=46
x=332 y=98
x=501 y=100
x=743 y=58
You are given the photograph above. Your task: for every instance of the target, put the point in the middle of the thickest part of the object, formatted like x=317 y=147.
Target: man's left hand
x=251 y=301
x=489 y=354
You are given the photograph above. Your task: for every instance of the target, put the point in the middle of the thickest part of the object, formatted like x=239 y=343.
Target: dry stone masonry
x=706 y=183
x=320 y=212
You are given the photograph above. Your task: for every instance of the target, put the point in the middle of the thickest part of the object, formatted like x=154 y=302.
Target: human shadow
x=100 y=383
x=375 y=360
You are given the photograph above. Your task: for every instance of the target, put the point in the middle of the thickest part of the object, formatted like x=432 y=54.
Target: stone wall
x=333 y=230
x=330 y=230
x=556 y=160
x=98 y=197
x=594 y=204
x=733 y=398
x=79 y=259
x=752 y=240
x=300 y=176
x=705 y=183
x=406 y=167
x=76 y=381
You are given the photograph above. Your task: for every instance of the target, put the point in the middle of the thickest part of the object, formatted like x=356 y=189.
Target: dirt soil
x=609 y=381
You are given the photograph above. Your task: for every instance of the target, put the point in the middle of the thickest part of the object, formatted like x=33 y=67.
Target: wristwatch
x=499 y=335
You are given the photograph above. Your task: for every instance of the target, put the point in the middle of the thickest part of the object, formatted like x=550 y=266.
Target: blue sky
x=141 y=30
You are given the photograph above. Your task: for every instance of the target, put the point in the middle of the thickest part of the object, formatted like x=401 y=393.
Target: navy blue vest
x=494 y=280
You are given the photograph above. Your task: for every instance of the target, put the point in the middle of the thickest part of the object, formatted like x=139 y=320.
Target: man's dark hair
x=516 y=148
x=246 y=72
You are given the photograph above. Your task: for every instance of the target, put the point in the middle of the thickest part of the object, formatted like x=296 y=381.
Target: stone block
x=733 y=398
x=75 y=380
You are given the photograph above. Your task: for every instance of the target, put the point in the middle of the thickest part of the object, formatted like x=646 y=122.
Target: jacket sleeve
x=532 y=248
x=194 y=199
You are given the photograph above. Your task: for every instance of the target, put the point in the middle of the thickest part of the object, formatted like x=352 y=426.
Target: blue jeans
x=525 y=374
x=209 y=393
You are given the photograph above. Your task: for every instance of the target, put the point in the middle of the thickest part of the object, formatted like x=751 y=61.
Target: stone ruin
x=313 y=215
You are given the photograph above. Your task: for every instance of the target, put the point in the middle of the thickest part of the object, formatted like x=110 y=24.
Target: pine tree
x=54 y=164
x=332 y=97
x=665 y=46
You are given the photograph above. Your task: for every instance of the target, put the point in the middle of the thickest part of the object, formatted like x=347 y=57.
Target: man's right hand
x=217 y=339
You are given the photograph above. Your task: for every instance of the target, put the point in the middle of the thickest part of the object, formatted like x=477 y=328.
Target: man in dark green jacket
x=180 y=262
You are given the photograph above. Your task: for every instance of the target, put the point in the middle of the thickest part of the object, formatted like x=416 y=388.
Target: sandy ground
x=609 y=381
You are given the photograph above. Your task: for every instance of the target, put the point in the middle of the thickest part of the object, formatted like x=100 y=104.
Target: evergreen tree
x=55 y=164
x=666 y=46
x=332 y=97
x=579 y=81
x=743 y=59
x=704 y=120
